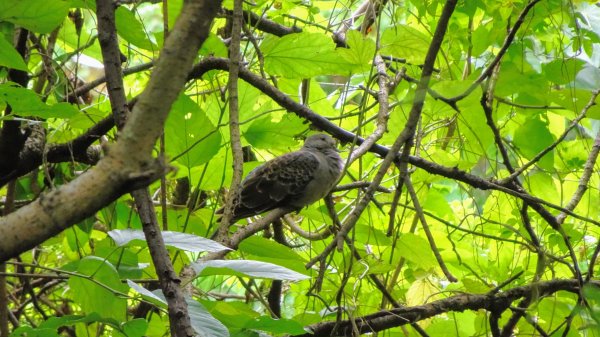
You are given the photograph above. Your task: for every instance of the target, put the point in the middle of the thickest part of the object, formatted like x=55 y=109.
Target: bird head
x=320 y=142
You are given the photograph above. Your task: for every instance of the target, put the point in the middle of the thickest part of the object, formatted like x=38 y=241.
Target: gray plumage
x=295 y=179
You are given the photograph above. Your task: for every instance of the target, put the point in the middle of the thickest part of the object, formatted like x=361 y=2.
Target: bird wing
x=276 y=183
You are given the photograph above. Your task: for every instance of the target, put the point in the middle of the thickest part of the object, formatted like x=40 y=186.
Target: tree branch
x=129 y=163
x=396 y=317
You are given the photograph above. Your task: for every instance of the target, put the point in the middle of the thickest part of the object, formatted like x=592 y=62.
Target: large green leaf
x=203 y=322
x=187 y=242
x=103 y=294
x=267 y=133
x=25 y=102
x=360 y=51
x=40 y=16
x=190 y=136
x=246 y=268
x=405 y=42
x=49 y=328
x=417 y=250
x=260 y=246
x=131 y=29
x=562 y=71
x=533 y=137
x=302 y=55
x=9 y=57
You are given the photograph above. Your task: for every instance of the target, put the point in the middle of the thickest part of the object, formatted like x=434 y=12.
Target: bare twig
x=428 y=234
x=383 y=114
x=234 y=121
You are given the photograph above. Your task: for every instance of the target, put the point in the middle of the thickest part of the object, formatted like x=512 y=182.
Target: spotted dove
x=294 y=180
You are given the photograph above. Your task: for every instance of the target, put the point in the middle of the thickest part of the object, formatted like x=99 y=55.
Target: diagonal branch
x=169 y=281
x=129 y=163
x=396 y=317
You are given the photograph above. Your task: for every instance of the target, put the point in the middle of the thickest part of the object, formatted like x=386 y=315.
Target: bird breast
x=324 y=179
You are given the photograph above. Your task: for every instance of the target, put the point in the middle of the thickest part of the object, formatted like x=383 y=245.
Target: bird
x=295 y=180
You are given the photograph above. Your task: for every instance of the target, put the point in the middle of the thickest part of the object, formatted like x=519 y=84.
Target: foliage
x=496 y=194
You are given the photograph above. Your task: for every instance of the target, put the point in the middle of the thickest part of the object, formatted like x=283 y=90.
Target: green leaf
x=588 y=78
x=302 y=55
x=438 y=205
x=131 y=29
x=531 y=138
x=203 y=322
x=405 y=42
x=23 y=101
x=27 y=331
x=191 y=138
x=260 y=246
x=126 y=262
x=99 y=295
x=10 y=57
x=235 y=315
x=360 y=51
x=213 y=46
x=267 y=133
x=183 y=241
x=417 y=250
x=562 y=71
x=147 y=293
x=174 y=9
x=247 y=268
x=265 y=250
x=135 y=328
x=40 y=16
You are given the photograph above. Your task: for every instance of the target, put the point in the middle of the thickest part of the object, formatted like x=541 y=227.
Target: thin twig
x=428 y=234
x=234 y=121
x=538 y=156
x=507 y=42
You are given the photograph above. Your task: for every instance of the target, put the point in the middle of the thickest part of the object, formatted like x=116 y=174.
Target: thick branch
x=396 y=317
x=129 y=163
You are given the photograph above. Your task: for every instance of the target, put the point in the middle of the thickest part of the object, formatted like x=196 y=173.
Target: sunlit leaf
x=247 y=268
x=183 y=241
x=36 y=15
x=101 y=294
x=9 y=57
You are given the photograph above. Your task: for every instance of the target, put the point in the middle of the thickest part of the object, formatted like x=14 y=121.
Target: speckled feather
x=295 y=179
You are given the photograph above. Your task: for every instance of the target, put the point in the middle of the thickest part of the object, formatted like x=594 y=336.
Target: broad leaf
x=9 y=57
x=533 y=137
x=246 y=268
x=417 y=250
x=131 y=29
x=192 y=138
x=40 y=16
x=183 y=241
x=203 y=322
x=405 y=42
x=102 y=294
x=302 y=55
x=266 y=133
